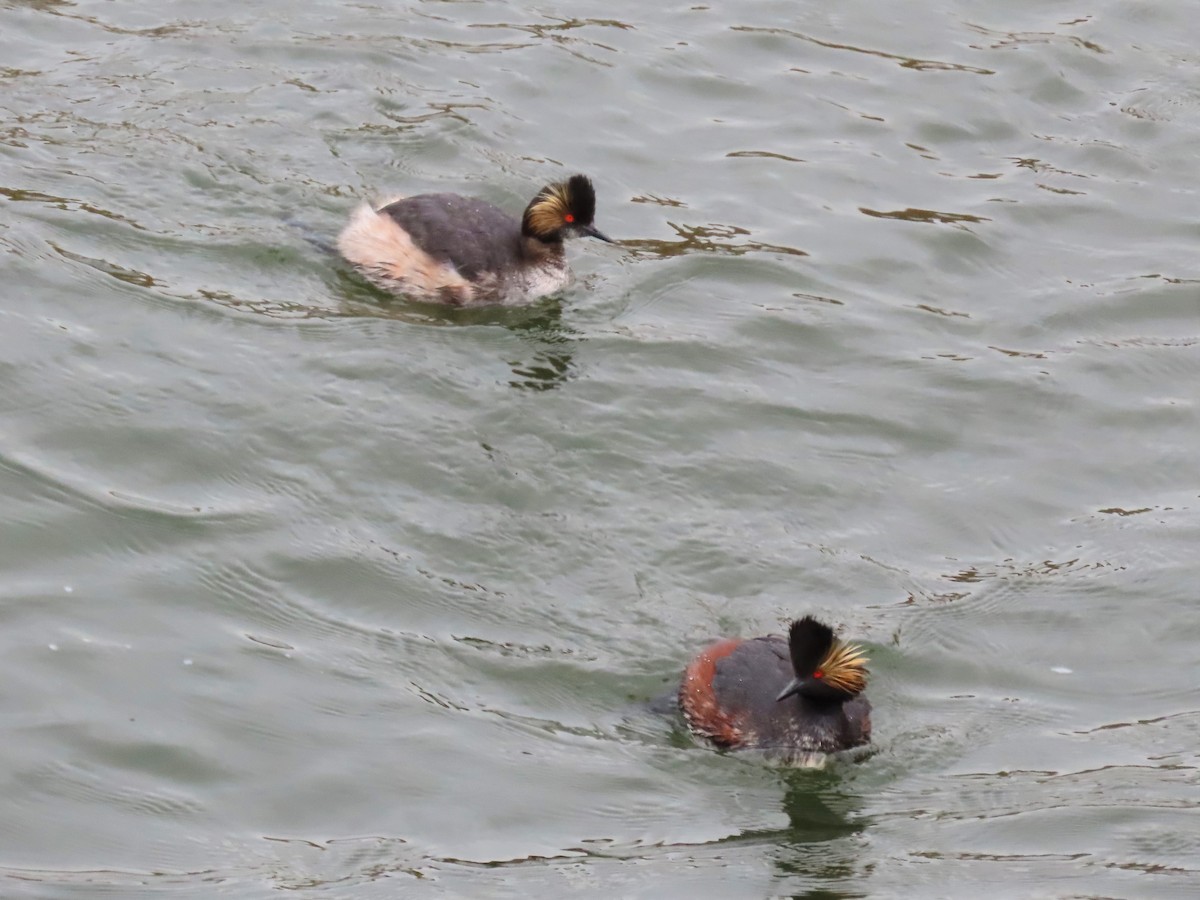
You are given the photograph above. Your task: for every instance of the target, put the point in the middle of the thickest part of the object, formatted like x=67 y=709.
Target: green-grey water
x=304 y=589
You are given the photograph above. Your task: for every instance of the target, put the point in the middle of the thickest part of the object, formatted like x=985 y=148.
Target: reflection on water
x=816 y=847
x=551 y=344
x=710 y=239
x=816 y=812
x=549 y=341
x=922 y=215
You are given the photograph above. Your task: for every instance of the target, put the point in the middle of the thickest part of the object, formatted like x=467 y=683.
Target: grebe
x=461 y=250
x=797 y=698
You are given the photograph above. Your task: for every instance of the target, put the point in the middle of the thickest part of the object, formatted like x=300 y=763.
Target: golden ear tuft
x=844 y=668
x=548 y=211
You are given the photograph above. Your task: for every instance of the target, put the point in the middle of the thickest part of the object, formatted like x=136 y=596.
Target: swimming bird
x=798 y=698
x=461 y=250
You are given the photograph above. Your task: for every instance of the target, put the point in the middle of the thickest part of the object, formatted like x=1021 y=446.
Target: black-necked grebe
x=461 y=250
x=797 y=698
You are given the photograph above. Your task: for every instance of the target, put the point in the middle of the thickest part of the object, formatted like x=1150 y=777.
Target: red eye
x=570 y=218
x=818 y=674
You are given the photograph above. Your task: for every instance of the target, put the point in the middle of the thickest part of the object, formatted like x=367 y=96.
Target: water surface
x=307 y=589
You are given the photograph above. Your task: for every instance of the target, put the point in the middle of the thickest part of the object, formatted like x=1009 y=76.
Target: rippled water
x=308 y=589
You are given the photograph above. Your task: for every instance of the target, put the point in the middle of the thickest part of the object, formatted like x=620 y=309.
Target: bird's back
x=472 y=235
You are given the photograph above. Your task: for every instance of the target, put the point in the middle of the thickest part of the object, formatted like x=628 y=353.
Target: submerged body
x=797 y=698
x=461 y=250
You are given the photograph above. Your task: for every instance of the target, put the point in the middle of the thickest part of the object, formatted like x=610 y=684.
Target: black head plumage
x=826 y=669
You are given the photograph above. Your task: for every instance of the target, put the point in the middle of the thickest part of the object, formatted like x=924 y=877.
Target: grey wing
x=750 y=678
x=473 y=236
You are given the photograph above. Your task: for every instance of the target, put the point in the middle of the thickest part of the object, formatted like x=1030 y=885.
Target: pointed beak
x=592 y=232
x=793 y=687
